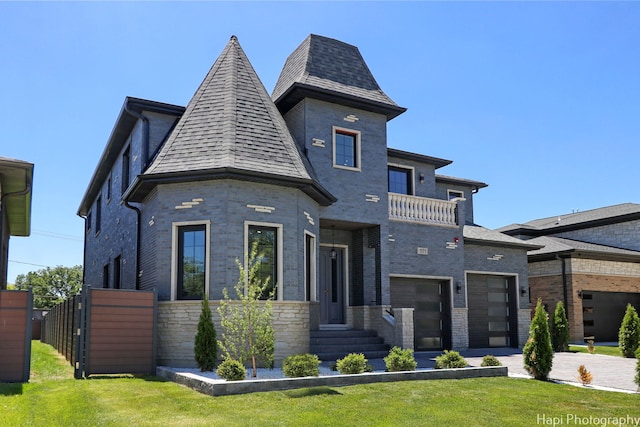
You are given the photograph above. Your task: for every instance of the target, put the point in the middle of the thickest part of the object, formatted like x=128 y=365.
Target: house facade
x=16 y=178
x=591 y=262
x=352 y=234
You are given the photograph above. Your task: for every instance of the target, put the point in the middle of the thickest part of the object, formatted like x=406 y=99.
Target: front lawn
x=600 y=349
x=54 y=398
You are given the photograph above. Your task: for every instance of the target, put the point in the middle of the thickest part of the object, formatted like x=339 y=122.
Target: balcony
x=422 y=210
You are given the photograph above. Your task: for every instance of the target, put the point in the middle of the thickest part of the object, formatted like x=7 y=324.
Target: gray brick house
x=353 y=234
x=591 y=262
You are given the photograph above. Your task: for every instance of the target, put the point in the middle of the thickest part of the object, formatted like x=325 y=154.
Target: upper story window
x=126 y=168
x=455 y=194
x=98 y=214
x=346 y=149
x=109 y=189
x=400 y=180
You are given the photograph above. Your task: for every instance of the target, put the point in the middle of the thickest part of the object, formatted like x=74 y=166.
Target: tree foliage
x=560 y=329
x=51 y=286
x=247 y=321
x=629 y=333
x=206 y=343
x=538 y=352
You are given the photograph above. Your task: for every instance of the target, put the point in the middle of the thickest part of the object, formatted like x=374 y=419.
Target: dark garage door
x=492 y=311
x=602 y=313
x=431 y=316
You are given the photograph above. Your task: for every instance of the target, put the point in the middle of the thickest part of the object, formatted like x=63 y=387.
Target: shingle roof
x=609 y=214
x=475 y=233
x=326 y=67
x=231 y=124
x=554 y=245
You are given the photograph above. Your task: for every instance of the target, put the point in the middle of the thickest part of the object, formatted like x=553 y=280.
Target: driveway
x=608 y=371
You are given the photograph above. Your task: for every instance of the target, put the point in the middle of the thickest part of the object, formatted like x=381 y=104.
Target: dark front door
x=331 y=288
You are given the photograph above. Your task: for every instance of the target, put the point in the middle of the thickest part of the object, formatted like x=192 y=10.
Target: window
x=264 y=241
x=400 y=180
x=105 y=276
x=98 y=213
x=191 y=261
x=454 y=194
x=309 y=266
x=88 y=220
x=109 y=189
x=117 y=263
x=126 y=169
x=346 y=149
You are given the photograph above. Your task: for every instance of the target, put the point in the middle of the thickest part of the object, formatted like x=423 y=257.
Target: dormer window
x=400 y=180
x=346 y=149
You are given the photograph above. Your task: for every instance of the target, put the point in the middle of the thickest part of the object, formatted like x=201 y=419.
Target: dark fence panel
x=15 y=335
x=105 y=331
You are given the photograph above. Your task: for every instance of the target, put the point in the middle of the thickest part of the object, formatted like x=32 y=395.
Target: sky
x=540 y=100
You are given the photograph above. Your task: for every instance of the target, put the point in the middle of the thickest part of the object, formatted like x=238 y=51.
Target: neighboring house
x=16 y=178
x=352 y=233
x=591 y=262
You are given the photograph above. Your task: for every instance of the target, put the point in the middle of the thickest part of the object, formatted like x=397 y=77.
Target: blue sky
x=541 y=100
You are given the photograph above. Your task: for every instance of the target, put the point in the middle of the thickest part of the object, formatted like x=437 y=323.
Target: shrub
x=301 y=365
x=490 y=360
x=231 y=370
x=637 y=378
x=537 y=352
x=206 y=345
x=560 y=329
x=353 y=363
x=450 y=359
x=584 y=376
x=629 y=333
x=400 y=360
x=591 y=347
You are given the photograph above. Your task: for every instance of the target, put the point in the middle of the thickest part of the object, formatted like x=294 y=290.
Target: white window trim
x=337 y=129
x=279 y=267
x=174 y=255
x=411 y=170
x=314 y=268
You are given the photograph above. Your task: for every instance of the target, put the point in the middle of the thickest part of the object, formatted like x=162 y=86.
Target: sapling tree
x=247 y=320
x=206 y=343
x=560 y=329
x=629 y=333
x=537 y=352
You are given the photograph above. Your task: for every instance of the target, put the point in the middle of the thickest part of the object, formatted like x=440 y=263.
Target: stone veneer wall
x=460 y=328
x=178 y=323
x=396 y=330
x=524 y=323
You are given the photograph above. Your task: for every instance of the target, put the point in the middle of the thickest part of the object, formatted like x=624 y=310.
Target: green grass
x=54 y=398
x=600 y=349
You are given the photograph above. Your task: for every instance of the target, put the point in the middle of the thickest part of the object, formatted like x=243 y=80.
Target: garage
x=602 y=313
x=432 y=315
x=492 y=303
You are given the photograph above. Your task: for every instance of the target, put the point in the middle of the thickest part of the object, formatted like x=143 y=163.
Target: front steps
x=331 y=345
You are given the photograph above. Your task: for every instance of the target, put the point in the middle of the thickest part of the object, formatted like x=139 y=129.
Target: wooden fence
x=105 y=331
x=16 y=309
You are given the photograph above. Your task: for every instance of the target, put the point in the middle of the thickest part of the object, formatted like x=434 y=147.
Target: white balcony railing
x=422 y=210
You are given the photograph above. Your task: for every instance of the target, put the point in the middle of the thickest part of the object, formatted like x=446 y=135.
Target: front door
x=331 y=287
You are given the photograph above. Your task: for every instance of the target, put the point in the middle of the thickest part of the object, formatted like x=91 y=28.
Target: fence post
x=27 y=339
x=79 y=366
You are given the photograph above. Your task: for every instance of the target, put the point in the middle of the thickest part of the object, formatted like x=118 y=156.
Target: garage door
x=431 y=316
x=492 y=311
x=602 y=313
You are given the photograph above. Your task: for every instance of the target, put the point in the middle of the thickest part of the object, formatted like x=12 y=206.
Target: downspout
x=138 y=234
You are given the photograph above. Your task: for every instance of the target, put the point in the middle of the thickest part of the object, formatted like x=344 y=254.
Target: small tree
x=206 y=344
x=560 y=329
x=629 y=333
x=247 y=322
x=537 y=352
